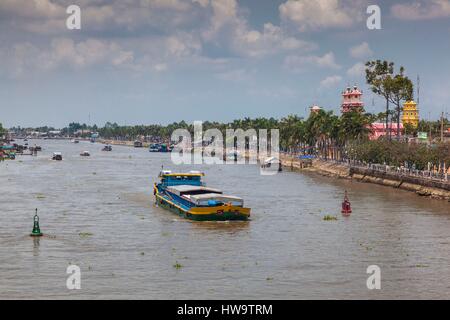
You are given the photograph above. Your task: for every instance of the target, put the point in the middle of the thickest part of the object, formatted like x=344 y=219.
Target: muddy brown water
x=98 y=213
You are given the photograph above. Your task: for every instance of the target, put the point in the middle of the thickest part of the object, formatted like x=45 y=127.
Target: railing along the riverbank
x=431 y=175
x=397 y=171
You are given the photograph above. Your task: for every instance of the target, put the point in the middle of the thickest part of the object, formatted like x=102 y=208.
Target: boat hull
x=220 y=213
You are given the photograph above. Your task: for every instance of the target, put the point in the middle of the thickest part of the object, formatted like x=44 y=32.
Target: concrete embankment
x=420 y=186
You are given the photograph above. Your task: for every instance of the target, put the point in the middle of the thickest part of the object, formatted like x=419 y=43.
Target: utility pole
x=418 y=90
x=442 y=127
x=429 y=124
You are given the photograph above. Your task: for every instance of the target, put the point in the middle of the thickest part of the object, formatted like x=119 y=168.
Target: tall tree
x=2 y=131
x=401 y=89
x=379 y=76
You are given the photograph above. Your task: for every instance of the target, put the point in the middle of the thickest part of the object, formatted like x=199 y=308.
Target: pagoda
x=352 y=100
x=410 y=114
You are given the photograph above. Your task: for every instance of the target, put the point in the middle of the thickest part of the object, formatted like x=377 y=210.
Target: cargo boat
x=186 y=195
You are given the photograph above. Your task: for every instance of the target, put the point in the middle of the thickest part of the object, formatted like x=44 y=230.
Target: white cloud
x=160 y=67
x=331 y=81
x=228 y=28
x=361 y=51
x=183 y=45
x=422 y=10
x=357 y=70
x=297 y=63
x=236 y=75
x=147 y=35
x=24 y=58
x=307 y=15
x=114 y=16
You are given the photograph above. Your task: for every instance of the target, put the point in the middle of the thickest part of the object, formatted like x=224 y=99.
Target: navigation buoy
x=346 y=206
x=36 y=230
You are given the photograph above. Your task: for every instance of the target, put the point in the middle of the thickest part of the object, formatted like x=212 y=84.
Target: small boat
x=186 y=195
x=85 y=154
x=346 y=206
x=270 y=162
x=154 y=147
x=138 y=144
x=57 y=156
x=35 y=148
x=107 y=148
x=75 y=141
x=163 y=148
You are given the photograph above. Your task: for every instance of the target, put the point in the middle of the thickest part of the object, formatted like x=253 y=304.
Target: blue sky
x=158 y=61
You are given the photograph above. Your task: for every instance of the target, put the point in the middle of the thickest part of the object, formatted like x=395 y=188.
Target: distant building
x=378 y=129
x=352 y=100
x=410 y=114
x=315 y=109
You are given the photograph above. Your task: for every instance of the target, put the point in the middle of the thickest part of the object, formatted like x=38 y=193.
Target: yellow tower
x=410 y=114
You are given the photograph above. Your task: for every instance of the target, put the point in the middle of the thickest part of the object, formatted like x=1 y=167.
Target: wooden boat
x=85 y=154
x=186 y=195
x=57 y=156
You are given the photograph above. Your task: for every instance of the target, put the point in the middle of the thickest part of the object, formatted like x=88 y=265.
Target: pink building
x=352 y=100
x=378 y=129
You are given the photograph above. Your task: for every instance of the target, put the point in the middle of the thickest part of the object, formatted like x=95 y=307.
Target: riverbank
x=122 y=143
x=420 y=186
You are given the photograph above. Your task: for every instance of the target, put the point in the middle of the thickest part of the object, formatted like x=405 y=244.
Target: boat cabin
x=193 y=178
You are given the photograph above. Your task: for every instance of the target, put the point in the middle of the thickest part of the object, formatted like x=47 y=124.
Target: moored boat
x=57 y=156
x=107 y=148
x=186 y=195
x=154 y=147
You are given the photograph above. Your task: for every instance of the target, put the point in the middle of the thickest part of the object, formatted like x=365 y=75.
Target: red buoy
x=346 y=206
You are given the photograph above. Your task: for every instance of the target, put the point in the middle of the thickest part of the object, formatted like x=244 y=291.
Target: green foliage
x=394 y=88
x=398 y=153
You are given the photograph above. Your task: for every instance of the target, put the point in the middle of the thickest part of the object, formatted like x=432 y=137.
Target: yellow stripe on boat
x=209 y=210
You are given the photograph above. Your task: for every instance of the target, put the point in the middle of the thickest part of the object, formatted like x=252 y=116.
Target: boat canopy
x=207 y=199
x=173 y=179
x=271 y=159
x=181 y=190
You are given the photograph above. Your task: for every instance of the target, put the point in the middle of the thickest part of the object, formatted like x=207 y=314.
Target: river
x=98 y=213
